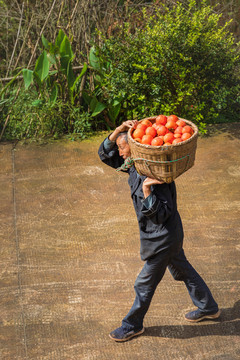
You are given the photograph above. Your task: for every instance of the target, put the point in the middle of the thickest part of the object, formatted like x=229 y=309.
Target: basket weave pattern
x=164 y=163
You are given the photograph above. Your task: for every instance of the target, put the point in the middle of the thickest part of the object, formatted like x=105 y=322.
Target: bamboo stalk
x=16 y=2
x=25 y=37
x=29 y=63
x=60 y=12
x=4 y=127
x=21 y=77
x=15 y=45
x=82 y=87
x=41 y=32
x=7 y=38
x=72 y=16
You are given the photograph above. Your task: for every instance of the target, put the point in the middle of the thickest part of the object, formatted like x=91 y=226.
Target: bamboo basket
x=164 y=163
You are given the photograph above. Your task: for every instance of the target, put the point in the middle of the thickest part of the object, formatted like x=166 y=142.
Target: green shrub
x=178 y=61
x=49 y=103
x=30 y=117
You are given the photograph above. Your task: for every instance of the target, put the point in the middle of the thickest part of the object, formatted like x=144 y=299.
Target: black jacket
x=159 y=221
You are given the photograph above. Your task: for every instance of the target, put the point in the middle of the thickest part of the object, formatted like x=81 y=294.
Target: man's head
x=123 y=146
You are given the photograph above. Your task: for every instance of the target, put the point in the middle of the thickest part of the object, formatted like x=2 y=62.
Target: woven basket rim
x=168 y=147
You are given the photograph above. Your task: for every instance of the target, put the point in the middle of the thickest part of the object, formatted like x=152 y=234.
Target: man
x=161 y=237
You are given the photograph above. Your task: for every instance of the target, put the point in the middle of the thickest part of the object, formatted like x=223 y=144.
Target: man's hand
x=148 y=182
x=125 y=126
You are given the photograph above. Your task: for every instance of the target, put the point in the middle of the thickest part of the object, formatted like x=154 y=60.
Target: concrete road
x=70 y=255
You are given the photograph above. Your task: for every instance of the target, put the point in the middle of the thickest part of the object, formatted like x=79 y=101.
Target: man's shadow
x=227 y=324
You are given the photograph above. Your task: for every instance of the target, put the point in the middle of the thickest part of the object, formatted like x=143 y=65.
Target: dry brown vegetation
x=23 y=22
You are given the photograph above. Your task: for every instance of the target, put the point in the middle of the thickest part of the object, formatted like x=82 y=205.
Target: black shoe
x=122 y=335
x=197 y=315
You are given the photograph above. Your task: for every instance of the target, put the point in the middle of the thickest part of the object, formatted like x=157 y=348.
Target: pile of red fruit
x=164 y=131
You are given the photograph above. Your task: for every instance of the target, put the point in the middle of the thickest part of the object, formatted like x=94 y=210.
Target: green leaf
x=45 y=42
x=52 y=59
x=64 y=64
x=37 y=102
x=59 y=38
x=84 y=69
x=114 y=110
x=99 y=108
x=42 y=66
x=93 y=103
x=37 y=78
x=66 y=68
x=54 y=94
x=65 y=48
x=96 y=106
x=27 y=77
x=9 y=83
x=87 y=98
x=94 y=59
x=116 y=102
x=98 y=78
x=53 y=50
x=53 y=72
x=70 y=75
x=4 y=101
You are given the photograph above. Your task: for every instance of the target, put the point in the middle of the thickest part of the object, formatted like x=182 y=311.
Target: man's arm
x=108 y=151
x=148 y=182
x=158 y=204
x=125 y=126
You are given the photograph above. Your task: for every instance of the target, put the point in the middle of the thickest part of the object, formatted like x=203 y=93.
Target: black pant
x=151 y=275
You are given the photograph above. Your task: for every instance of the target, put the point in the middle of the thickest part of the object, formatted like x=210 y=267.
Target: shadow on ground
x=232 y=131
x=226 y=325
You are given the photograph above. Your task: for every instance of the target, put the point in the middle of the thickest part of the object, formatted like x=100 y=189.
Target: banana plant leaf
x=45 y=42
x=84 y=69
x=66 y=49
x=27 y=77
x=54 y=94
x=59 y=38
x=94 y=59
x=42 y=66
x=114 y=110
x=87 y=98
x=96 y=106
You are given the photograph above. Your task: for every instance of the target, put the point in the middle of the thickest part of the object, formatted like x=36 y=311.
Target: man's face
x=123 y=147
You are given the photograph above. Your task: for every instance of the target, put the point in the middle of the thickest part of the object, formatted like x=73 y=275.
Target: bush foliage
x=181 y=61
x=177 y=59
